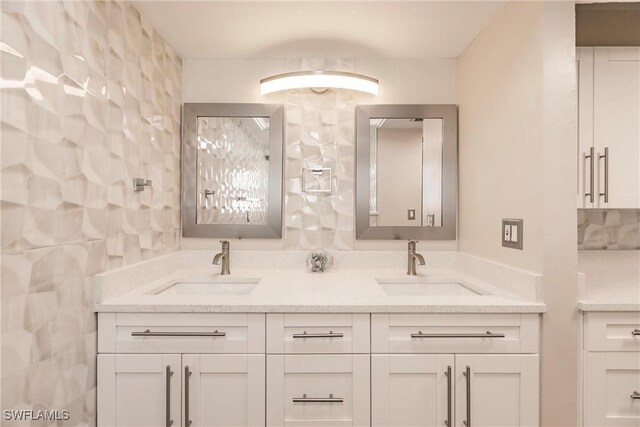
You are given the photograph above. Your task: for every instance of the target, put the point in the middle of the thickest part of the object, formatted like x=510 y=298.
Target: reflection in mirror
x=232 y=170
x=405 y=172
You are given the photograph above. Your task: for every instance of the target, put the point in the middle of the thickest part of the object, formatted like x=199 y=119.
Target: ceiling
x=304 y=29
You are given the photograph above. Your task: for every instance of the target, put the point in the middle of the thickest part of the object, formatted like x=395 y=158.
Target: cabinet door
x=318 y=390
x=224 y=390
x=586 y=163
x=139 y=390
x=616 y=118
x=497 y=390
x=609 y=385
x=412 y=390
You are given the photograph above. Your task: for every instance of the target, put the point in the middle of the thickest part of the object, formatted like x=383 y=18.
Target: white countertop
x=298 y=290
x=611 y=280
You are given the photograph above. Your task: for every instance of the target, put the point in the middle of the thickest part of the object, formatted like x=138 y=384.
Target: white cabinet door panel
x=133 y=390
x=318 y=390
x=586 y=164
x=502 y=390
x=610 y=381
x=616 y=124
x=411 y=390
x=224 y=390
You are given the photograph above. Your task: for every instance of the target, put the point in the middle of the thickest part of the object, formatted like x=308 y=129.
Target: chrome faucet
x=223 y=258
x=413 y=258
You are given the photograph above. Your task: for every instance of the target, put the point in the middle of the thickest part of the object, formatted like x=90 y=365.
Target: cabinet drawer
x=610 y=383
x=317 y=333
x=612 y=331
x=181 y=333
x=320 y=390
x=454 y=333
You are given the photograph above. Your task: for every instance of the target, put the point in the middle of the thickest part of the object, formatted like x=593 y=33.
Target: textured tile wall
x=320 y=132
x=616 y=229
x=90 y=99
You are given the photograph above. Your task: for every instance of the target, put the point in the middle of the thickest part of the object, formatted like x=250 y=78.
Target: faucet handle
x=412 y=244
x=225 y=244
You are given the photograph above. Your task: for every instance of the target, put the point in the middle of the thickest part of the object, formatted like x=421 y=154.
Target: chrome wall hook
x=140 y=183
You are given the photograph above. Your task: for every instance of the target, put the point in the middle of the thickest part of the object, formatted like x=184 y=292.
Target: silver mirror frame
x=190 y=114
x=449 y=116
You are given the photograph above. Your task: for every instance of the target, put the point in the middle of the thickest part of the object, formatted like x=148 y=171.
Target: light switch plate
x=512 y=233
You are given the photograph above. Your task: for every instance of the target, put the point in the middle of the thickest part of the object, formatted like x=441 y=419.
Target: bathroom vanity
x=182 y=346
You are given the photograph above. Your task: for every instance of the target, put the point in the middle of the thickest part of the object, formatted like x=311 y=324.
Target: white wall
x=399 y=166
x=517 y=96
x=401 y=82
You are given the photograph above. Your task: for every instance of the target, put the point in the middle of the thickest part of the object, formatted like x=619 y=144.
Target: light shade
x=319 y=80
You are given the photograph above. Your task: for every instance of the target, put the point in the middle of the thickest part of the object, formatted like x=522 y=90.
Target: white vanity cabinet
x=215 y=375
x=454 y=385
x=324 y=369
x=608 y=127
x=139 y=390
x=611 y=369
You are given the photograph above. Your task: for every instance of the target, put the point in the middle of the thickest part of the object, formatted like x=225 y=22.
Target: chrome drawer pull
x=467 y=374
x=487 y=334
x=635 y=395
x=187 y=419
x=447 y=422
x=591 y=158
x=305 y=399
x=635 y=332
x=605 y=156
x=148 y=333
x=168 y=375
x=331 y=334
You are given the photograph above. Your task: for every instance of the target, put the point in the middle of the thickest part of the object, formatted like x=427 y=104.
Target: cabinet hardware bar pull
x=305 y=399
x=635 y=332
x=467 y=373
x=591 y=156
x=606 y=174
x=169 y=373
x=148 y=333
x=487 y=334
x=448 y=374
x=635 y=395
x=187 y=374
x=331 y=334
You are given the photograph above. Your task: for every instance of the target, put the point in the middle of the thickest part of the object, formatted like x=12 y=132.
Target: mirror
x=232 y=170
x=407 y=172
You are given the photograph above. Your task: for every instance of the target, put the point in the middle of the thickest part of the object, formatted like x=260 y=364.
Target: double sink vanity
x=275 y=344
x=288 y=338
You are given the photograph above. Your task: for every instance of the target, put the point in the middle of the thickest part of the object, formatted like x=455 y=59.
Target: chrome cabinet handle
x=148 y=333
x=605 y=156
x=187 y=374
x=448 y=374
x=467 y=373
x=330 y=399
x=635 y=332
x=487 y=334
x=591 y=157
x=331 y=334
x=635 y=395
x=168 y=374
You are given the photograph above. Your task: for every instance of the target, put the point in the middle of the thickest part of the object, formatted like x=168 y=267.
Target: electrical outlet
x=512 y=233
x=411 y=214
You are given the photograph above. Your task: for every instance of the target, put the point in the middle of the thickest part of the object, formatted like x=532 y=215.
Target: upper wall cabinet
x=406 y=171
x=232 y=170
x=609 y=127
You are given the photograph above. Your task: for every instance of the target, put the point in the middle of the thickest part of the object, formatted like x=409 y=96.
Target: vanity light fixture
x=319 y=82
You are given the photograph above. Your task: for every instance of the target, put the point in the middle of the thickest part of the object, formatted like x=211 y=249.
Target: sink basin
x=219 y=286
x=421 y=286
